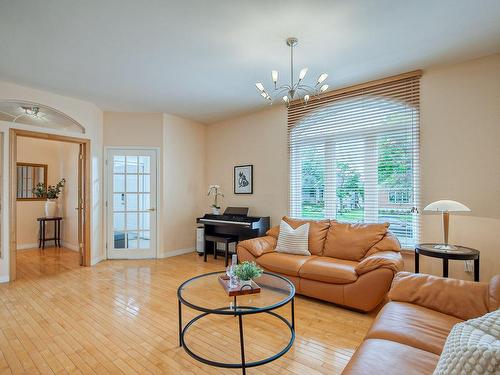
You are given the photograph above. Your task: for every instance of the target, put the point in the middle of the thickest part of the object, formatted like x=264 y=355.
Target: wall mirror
x=28 y=176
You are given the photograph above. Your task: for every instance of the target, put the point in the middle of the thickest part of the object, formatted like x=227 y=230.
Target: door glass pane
x=131 y=164
x=118 y=183
x=132 y=202
x=132 y=240
x=145 y=240
x=144 y=183
x=119 y=202
x=144 y=222
x=144 y=202
x=144 y=164
x=119 y=164
x=131 y=183
x=132 y=223
x=118 y=221
x=119 y=239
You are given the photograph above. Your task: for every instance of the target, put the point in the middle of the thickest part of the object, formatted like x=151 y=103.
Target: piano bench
x=215 y=239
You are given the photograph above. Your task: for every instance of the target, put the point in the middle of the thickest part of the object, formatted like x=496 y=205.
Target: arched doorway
x=60 y=128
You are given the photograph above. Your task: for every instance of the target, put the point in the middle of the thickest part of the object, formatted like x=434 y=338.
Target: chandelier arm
x=301 y=87
x=282 y=90
x=282 y=87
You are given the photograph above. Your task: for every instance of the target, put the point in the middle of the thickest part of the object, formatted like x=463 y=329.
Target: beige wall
x=460 y=128
x=62 y=162
x=258 y=139
x=460 y=159
x=183 y=181
x=181 y=159
x=132 y=129
x=30 y=150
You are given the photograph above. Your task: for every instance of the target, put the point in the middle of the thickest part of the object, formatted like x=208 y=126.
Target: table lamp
x=445 y=207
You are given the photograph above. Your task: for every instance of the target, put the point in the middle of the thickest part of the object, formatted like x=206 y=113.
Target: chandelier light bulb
x=322 y=78
x=285 y=99
x=302 y=73
x=323 y=88
x=306 y=98
x=260 y=86
x=264 y=94
x=274 y=74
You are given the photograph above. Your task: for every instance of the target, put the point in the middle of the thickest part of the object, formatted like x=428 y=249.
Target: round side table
x=460 y=253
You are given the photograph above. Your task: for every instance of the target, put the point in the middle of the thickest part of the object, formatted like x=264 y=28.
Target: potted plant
x=246 y=272
x=50 y=192
x=215 y=191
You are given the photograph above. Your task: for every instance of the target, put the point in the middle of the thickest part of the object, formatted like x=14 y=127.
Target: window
x=354 y=156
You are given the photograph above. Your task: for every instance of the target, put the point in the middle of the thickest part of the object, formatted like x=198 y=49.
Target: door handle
x=151 y=209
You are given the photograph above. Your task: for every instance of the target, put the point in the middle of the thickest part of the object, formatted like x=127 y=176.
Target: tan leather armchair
x=408 y=334
x=350 y=265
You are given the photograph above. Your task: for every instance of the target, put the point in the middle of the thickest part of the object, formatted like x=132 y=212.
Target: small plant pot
x=215 y=211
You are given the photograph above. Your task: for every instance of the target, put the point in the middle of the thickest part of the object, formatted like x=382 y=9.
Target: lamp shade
x=446 y=206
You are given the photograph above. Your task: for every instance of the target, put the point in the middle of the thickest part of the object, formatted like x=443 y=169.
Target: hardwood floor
x=121 y=317
x=50 y=261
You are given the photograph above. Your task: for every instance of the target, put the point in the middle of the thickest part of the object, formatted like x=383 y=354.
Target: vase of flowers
x=50 y=192
x=214 y=190
x=246 y=272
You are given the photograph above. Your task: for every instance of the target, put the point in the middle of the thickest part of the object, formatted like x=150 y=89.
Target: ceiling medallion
x=295 y=89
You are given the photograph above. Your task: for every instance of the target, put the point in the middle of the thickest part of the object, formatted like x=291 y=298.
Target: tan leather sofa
x=350 y=265
x=408 y=334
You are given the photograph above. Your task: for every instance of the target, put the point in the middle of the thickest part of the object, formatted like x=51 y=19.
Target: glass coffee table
x=204 y=293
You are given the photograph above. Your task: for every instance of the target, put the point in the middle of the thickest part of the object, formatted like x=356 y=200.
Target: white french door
x=131 y=203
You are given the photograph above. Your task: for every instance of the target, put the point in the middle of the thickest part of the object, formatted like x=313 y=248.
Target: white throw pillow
x=472 y=347
x=293 y=241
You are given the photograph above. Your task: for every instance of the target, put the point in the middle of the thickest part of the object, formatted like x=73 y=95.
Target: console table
x=460 y=253
x=57 y=231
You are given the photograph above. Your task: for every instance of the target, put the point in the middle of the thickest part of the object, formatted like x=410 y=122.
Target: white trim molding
x=98 y=259
x=173 y=253
x=4 y=279
x=27 y=246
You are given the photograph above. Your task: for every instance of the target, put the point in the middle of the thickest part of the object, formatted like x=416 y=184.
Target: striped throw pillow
x=293 y=241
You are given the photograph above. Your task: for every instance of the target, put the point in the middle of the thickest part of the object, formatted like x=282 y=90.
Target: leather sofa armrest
x=382 y=259
x=258 y=246
x=459 y=298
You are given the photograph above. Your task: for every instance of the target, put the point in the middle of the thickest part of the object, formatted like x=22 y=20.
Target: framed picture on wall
x=243 y=179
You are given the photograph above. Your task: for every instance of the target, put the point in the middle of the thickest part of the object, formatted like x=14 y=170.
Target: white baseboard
x=167 y=254
x=27 y=246
x=69 y=246
x=4 y=279
x=98 y=259
x=174 y=253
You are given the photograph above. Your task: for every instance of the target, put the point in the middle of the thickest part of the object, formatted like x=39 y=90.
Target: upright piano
x=235 y=222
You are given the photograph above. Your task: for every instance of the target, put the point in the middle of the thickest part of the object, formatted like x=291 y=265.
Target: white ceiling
x=200 y=58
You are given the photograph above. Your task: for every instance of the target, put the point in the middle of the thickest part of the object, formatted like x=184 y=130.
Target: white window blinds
x=354 y=156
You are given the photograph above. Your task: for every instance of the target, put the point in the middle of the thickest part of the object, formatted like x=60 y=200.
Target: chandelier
x=31 y=111
x=295 y=89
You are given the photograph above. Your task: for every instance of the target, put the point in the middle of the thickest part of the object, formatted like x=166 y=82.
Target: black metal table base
x=243 y=364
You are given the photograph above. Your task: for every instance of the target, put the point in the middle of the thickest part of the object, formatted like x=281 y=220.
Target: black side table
x=460 y=253
x=57 y=231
